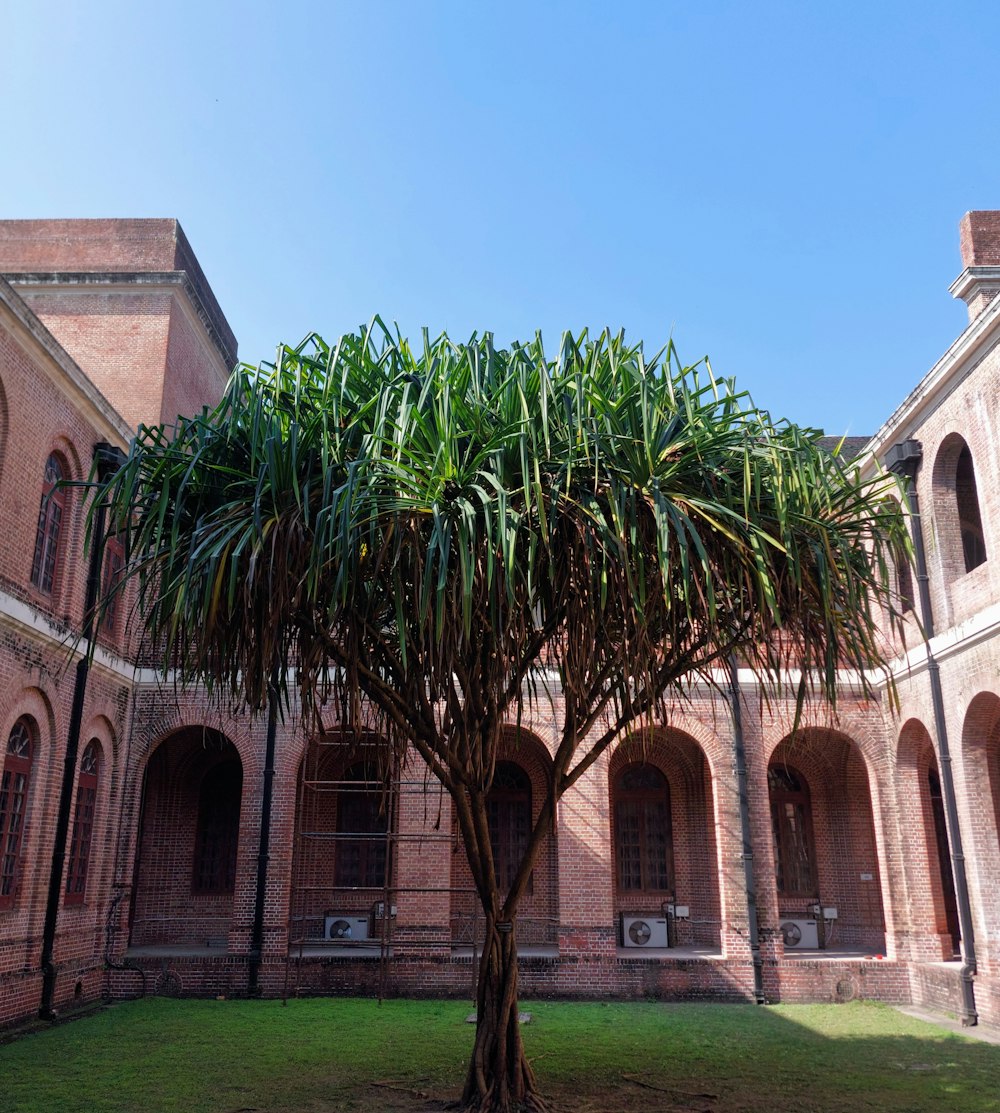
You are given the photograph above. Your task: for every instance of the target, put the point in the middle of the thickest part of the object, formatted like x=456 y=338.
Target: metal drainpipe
x=263 y=853
x=739 y=752
x=108 y=459
x=904 y=460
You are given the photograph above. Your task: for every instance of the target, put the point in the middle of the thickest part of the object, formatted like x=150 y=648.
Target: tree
x=411 y=534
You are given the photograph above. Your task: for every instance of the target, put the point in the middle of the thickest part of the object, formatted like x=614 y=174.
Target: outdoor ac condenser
x=345 y=927
x=644 y=931
x=800 y=934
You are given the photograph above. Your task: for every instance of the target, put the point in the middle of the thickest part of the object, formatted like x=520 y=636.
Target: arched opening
x=927 y=858
x=824 y=845
x=15 y=793
x=342 y=862
x=664 y=843
x=185 y=868
x=958 y=523
x=520 y=785
x=981 y=767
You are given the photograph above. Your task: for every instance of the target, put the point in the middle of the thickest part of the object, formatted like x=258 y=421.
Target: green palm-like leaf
x=412 y=533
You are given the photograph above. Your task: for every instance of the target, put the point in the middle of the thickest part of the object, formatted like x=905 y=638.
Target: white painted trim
x=944 y=378
x=26 y=619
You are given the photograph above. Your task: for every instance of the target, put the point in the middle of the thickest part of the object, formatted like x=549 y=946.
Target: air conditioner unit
x=800 y=934
x=644 y=931
x=345 y=927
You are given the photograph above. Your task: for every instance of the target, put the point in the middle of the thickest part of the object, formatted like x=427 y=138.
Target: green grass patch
x=326 y=1055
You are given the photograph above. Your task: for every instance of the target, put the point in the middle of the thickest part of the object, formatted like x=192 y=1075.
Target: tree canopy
x=431 y=538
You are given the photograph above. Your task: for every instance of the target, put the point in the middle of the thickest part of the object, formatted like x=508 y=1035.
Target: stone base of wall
x=801 y=981
x=938 y=986
x=586 y=976
x=987 y=985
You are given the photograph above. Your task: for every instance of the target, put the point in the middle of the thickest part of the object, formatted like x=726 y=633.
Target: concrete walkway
x=977 y=1032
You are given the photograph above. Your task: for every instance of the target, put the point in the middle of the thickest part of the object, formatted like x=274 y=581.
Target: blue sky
x=776 y=185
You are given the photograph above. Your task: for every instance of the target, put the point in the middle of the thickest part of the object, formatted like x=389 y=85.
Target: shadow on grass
x=320 y=1056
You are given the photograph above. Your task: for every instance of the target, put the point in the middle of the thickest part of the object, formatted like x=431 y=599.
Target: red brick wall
x=979 y=238
x=696 y=862
x=866 y=765
x=538 y=915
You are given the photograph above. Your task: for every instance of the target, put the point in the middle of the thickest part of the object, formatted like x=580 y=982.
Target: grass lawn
x=321 y=1056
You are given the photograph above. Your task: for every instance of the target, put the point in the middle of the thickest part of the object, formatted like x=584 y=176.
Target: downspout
x=264 y=845
x=904 y=460
x=740 y=755
x=107 y=459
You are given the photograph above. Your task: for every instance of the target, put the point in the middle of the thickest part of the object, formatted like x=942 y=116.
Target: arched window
x=361 y=815
x=969 y=518
x=508 y=814
x=50 y=517
x=643 y=841
x=14 y=806
x=218 y=832
x=83 y=823
x=791 y=824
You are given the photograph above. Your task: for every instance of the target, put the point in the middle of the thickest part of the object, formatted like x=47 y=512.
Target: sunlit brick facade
x=642 y=887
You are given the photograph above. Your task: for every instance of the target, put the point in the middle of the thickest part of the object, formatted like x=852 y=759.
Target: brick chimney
x=979 y=282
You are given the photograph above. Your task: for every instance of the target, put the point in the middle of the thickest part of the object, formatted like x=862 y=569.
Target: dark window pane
x=218 y=832
x=969 y=518
x=360 y=861
x=508 y=814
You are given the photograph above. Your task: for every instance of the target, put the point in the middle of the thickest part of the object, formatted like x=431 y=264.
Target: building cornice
x=980 y=627
x=18 y=615
x=973 y=280
x=134 y=281
x=61 y=367
x=943 y=379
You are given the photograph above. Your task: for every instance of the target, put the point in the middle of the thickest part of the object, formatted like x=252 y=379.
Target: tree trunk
x=500 y=1079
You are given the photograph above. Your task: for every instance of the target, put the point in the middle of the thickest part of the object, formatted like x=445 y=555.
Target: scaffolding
x=345 y=887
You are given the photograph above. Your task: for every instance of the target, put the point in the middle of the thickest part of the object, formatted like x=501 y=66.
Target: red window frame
x=792 y=830
x=644 y=851
x=83 y=823
x=51 y=512
x=14 y=787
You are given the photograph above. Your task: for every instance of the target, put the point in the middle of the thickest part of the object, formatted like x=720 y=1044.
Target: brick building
x=655 y=881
